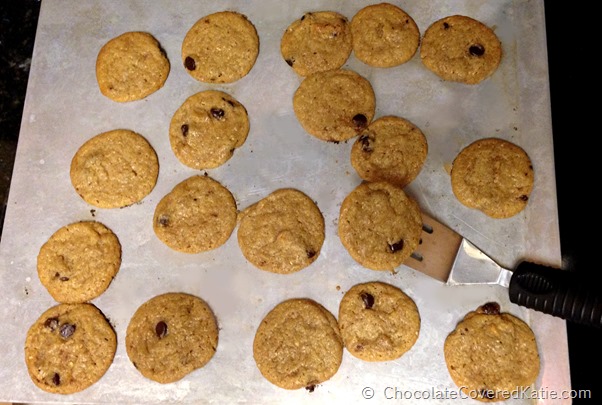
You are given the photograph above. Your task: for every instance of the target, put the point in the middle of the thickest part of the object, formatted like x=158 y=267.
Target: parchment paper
x=64 y=108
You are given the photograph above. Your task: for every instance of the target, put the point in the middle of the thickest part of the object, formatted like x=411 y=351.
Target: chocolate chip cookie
x=490 y=354
x=69 y=348
x=391 y=149
x=220 y=48
x=378 y=321
x=207 y=128
x=318 y=41
x=335 y=105
x=79 y=261
x=131 y=67
x=298 y=345
x=379 y=225
x=283 y=233
x=197 y=215
x=461 y=49
x=170 y=336
x=494 y=176
x=114 y=169
x=384 y=35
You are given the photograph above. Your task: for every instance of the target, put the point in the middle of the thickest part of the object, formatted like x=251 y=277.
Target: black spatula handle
x=557 y=292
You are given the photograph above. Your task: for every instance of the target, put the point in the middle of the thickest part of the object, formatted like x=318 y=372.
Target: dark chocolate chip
x=365 y=140
x=491 y=308
x=229 y=102
x=368 y=300
x=64 y=278
x=52 y=323
x=396 y=247
x=445 y=25
x=360 y=121
x=290 y=62
x=485 y=393
x=311 y=387
x=56 y=379
x=476 y=50
x=184 y=129
x=189 y=63
x=67 y=330
x=161 y=330
x=310 y=254
x=524 y=197
x=217 y=113
x=164 y=220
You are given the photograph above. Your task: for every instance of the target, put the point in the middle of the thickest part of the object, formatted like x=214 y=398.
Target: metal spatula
x=445 y=255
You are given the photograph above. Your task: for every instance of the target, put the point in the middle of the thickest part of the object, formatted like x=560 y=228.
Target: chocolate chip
x=524 y=197
x=217 y=113
x=161 y=330
x=396 y=247
x=445 y=25
x=52 y=323
x=56 y=379
x=365 y=141
x=368 y=300
x=311 y=387
x=485 y=393
x=189 y=63
x=164 y=220
x=491 y=308
x=310 y=254
x=476 y=50
x=64 y=278
x=184 y=129
x=290 y=62
x=229 y=102
x=67 y=330
x=360 y=121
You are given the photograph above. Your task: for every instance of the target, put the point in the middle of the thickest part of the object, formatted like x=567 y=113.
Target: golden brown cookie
x=282 y=233
x=494 y=176
x=378 y=321
x=69 y=348
x=379 y=225
x=384 y=35
x=197 y=215
x=391 y=149
x=318 y=41
x=298 y=344
x=220 y=48
x=170 y=336
x=131 y=67
x=114 y=169
x=335 y=105
x=461 y=49
x=79 y=261
x=207 y=128
x=490 y=354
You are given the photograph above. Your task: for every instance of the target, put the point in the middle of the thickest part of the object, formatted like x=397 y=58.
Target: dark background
x=573 y=56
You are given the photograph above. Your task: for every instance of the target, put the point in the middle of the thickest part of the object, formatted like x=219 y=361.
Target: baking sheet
x=64 y=108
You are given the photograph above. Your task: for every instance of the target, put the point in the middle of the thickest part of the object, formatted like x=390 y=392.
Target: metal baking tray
x=64 y=108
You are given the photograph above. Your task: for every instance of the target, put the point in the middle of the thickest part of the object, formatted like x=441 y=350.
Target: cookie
x=114 y=169
x=282 y=233
x=131 y=67
x=461 y=49
x=384 y=35
x=207 y=128
x=335 y=105
x=391 y=149
x=490 y=354
x=378 y=321
x=170 y=336
x=69 y=348
x=79 y=261
x=379 y=225
x=317 y=42
x=197 y=215
x=298 y=344
x=494 y=176
x=220 y=48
